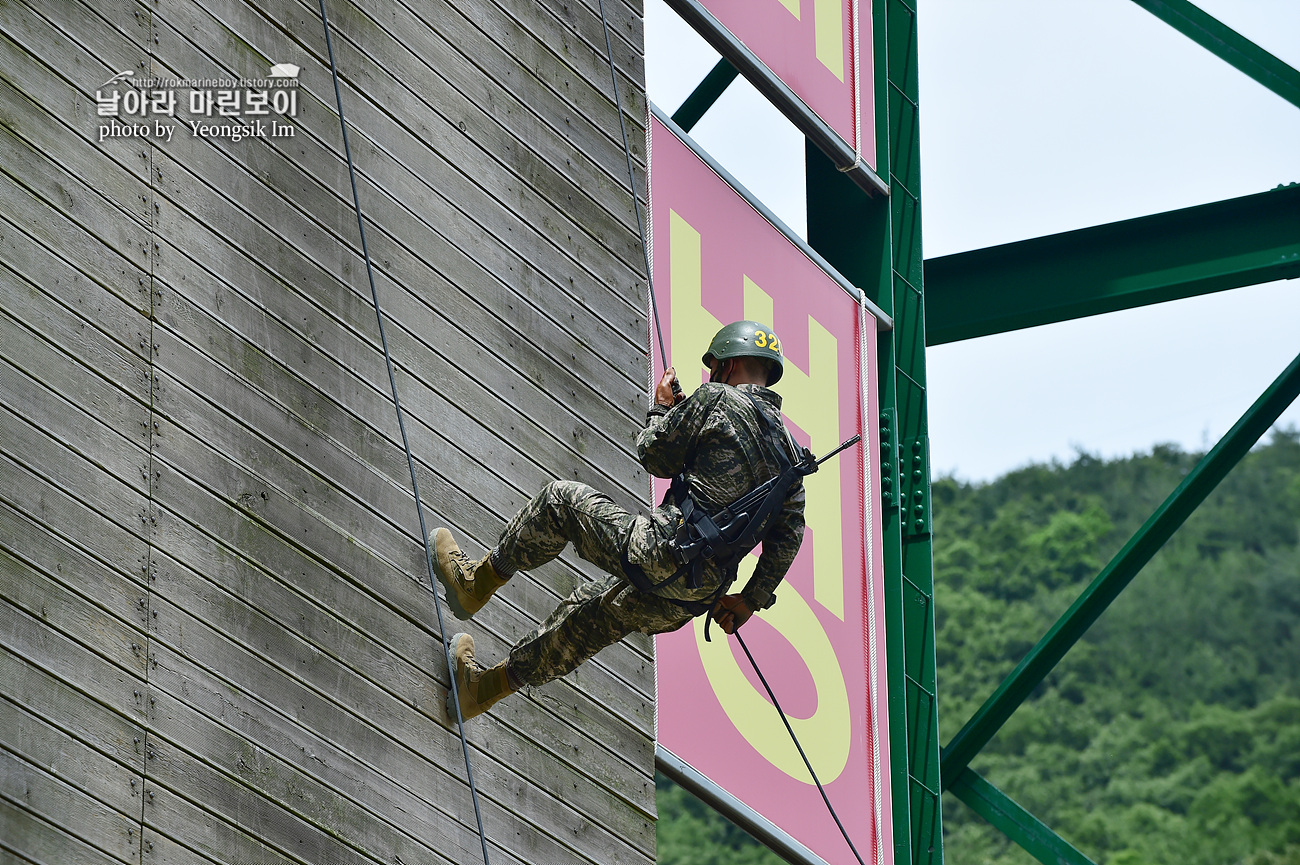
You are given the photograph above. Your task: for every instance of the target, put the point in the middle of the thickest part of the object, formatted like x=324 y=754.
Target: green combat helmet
x=747 y=339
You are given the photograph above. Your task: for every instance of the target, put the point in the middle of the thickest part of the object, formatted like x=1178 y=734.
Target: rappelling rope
x=663 y=356
x=790 y=730
x=401 y=424
x=631 y=179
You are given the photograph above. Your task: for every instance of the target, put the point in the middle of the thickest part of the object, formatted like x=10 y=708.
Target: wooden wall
x=217 y=643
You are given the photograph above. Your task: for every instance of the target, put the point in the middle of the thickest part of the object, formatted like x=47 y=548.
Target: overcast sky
x=1039 y=117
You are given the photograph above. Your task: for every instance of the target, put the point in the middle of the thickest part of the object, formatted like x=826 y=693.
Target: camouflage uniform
x=715 y=437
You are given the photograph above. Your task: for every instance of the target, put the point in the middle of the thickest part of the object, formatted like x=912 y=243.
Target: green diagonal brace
x=1182 y=253
x=1209 y=32
x=705 y=94
x=1015 y=822
x=1118 y=573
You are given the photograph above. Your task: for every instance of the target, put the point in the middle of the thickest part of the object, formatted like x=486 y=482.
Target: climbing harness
x=745 y=532
x=727 y=536
x=406 y=445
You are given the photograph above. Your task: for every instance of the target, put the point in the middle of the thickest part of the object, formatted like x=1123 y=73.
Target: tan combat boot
x=469 y=584
x=478 y=688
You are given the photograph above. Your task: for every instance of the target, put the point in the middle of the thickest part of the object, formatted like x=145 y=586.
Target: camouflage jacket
x=714 y=436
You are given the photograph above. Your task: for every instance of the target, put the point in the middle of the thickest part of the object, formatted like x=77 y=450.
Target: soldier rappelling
x=737 y=482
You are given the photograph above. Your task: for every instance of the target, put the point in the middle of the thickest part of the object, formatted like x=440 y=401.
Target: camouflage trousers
x=600 y=612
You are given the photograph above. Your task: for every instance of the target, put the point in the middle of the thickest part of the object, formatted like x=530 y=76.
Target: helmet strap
x=723 y=371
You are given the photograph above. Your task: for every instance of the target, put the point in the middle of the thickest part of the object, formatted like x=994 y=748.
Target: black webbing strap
x=700 y=536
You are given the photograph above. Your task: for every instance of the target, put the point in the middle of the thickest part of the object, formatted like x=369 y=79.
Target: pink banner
x=822 y=648
x=821 y=49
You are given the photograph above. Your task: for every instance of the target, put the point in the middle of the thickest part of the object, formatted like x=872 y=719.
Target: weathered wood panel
x=215 y=643
x=26 y=785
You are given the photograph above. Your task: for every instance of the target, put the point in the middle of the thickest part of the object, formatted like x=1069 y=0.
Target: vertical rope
x=631 y=181
x=406 y=445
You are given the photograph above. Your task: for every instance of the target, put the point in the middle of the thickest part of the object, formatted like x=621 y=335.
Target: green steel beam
x=1014 y=821
x=876 y=243
x=1118 y=573
x=1182 y=253
x=705 y=94
x=1209 y=32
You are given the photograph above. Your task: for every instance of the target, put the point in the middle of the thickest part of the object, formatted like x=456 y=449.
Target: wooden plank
x=178 y=831
x=318 y=662
x=361 y=386
x=29 y=125
x=561 y=209
x=160 y=849
x=254 y=491
x=285 y=538
x=77 y=200
x=312 y=789
x=573 y=34
x=83 y=743
x=254 y=495
x=76 y=714
x=9 y=857
x=528 y=138
x=73 y=199
x=46 y=458
x=322 y=303
x=117 y=343
x=44 y=843
x=45 y=648
x=35 y=63
x=293 y=243
x=580 y=721
x=549 y=290
x=75 y=406
x=469 y=298
x=570 y=442
x=465 y=222
x=118 y=48
x=49 y=775
x=322 y=441
x=402 y=660
x=626 y=20
x=223 y=818
x=582 y=19
x=54 y=511
x=343 y=702
x=129 y=18
x=27 y=215
x=195 y=706
x=491 y=59
x=67 y=590
x=593 y=711
x=267 y=504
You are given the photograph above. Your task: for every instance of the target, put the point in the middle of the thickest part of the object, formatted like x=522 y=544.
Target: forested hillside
x=1171 y=734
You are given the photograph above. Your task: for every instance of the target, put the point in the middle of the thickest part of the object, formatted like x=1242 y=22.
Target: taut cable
x=401 y=424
